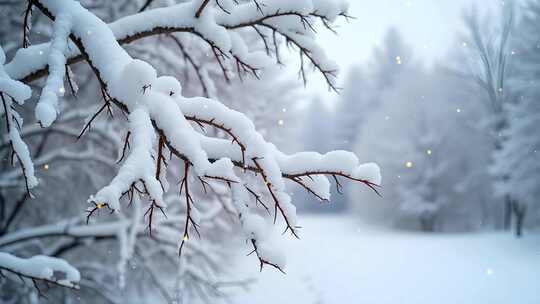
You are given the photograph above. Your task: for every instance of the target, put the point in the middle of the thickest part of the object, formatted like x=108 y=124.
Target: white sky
x=429 y=26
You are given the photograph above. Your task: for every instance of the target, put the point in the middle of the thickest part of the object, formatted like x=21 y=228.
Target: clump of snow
x=369 y=172
x=19 y=92
x=335 y=161
x=16 y=89
x=23 y=153
x=134 y=82
x=270 y=254
x=255 y=227
x=319 y=184
x=47 y=107
x=139 y=165
x=42 y=268
x=222 y=168
x=331 y=9
x=168 y=85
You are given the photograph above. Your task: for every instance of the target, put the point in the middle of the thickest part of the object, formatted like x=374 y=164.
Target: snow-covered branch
x=293 y=21
x=161 y=119
x=40 y=268
x=14 y=91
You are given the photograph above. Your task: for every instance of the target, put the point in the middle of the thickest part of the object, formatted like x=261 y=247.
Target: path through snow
x=339 y=261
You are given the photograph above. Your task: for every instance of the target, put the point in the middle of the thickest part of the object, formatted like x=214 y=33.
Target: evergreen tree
x=519 y=158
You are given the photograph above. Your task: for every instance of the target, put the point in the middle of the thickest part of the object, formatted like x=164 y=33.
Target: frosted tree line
x=518 y=159
x=458 y=139
x=172 y=180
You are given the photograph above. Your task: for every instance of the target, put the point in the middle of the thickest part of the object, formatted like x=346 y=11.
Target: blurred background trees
x=458 y=138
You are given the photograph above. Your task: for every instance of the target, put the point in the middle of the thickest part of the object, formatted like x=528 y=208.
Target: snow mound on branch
x=368 y=171
x=319 y=184
x=18 y=90
x=135 y=80
x=47 y=107
x=222 y=168
x=139 y=165
x=168 y=85
x=271 y=254
x=41 y=267
x=255 y=227
x=335 y=161
x=15 y=89
x=331 y=9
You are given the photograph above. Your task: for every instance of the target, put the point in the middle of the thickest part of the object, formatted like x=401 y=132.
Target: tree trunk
x=520 y=212
x=507 y=224
x=427 y=224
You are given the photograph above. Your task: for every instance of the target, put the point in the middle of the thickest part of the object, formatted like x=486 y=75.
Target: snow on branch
x=14 y=91
x=40 y=268
x=129 y=231
x=133 y=168
x=162 y=121
x=47 y=107
x=291 y=20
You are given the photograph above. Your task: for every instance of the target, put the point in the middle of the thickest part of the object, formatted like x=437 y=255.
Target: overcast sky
x=429 y=26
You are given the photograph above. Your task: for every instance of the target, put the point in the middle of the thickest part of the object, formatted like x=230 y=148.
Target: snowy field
x=339 y=261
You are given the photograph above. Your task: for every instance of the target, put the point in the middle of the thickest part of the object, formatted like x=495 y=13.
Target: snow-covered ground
x=339 y=261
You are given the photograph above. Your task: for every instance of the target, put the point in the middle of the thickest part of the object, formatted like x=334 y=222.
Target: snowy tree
x=352 y=102
x=420 y=186
x=518 y=158
x=390 y=60
x=162 y=122
x=317 y=124
x=365 y=89
x=394 y=118
x=487 y=65
x=431 y=182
